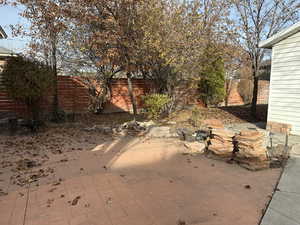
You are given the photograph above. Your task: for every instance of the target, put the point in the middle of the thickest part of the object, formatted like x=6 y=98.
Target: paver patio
x=135 y=181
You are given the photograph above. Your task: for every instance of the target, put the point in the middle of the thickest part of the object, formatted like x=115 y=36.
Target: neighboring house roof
x=280 y=36
x=6 y=52
x=2 y=33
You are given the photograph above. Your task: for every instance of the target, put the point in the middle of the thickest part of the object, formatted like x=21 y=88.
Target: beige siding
x=284 y=100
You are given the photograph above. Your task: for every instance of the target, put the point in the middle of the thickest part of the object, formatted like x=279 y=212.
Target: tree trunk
x=254 y=97
x=55 y=94
x=55 y=81
x=130 y=92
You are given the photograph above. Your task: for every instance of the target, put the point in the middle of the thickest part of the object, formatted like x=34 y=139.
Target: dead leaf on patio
x=49 y=202
x=181 y=222
x=75 y=200
x=109 y=201
x=52 y=189
x=247 y=186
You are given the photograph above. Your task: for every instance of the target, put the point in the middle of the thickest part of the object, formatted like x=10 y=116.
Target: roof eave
x=2 y=33
x=8 y=55
x=265 y=44
x=270 y=42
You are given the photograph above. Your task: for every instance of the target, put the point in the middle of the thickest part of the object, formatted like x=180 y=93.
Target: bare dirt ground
x=228 y=115
x=67 y=176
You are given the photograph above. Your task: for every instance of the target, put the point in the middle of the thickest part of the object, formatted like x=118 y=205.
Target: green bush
x=155 y=104
x=212 y=82
x=27 y=81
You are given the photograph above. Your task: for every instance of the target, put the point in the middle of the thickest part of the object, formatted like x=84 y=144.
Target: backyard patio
x=66 y=175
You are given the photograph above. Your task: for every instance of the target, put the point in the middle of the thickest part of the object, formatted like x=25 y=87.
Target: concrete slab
x=144 y=182
x=273 y=217
x=290 y=181
x=277 y=138
x=284 y=208
x=295 y=151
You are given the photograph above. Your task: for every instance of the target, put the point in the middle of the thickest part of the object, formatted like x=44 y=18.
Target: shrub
x=155 y=104
x=212 y=82
x=195 y=119
x=27 y=81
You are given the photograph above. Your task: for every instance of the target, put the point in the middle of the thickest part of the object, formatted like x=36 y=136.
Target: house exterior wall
x=284 y=99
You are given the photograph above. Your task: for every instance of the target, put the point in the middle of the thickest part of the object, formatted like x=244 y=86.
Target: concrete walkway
x=284 y=208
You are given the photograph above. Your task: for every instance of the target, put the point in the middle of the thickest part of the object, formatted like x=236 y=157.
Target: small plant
x=195 y=119
x=155 y=104
x=26 y=81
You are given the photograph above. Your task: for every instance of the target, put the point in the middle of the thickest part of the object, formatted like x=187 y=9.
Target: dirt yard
x=68 y=176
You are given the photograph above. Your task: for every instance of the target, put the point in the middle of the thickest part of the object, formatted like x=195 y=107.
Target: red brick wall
x=262 y=97
x=263 y=92
x=234 y=97
x=120 y=100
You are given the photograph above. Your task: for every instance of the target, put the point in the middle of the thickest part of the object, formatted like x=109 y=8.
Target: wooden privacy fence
x=72 y=95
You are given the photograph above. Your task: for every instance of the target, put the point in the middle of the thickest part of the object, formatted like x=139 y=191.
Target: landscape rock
x=251 y=145
x=133 y=127
x=93 y=128
x=221 y=142
x=202 y=135
x=162 y=132
x=194 y=147
x=103 y=130
x=253 y=164
x=147 y=123
x=186 y=134
x=213 y=123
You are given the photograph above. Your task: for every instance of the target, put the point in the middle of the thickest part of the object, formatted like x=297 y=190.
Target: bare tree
x=258 y=20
